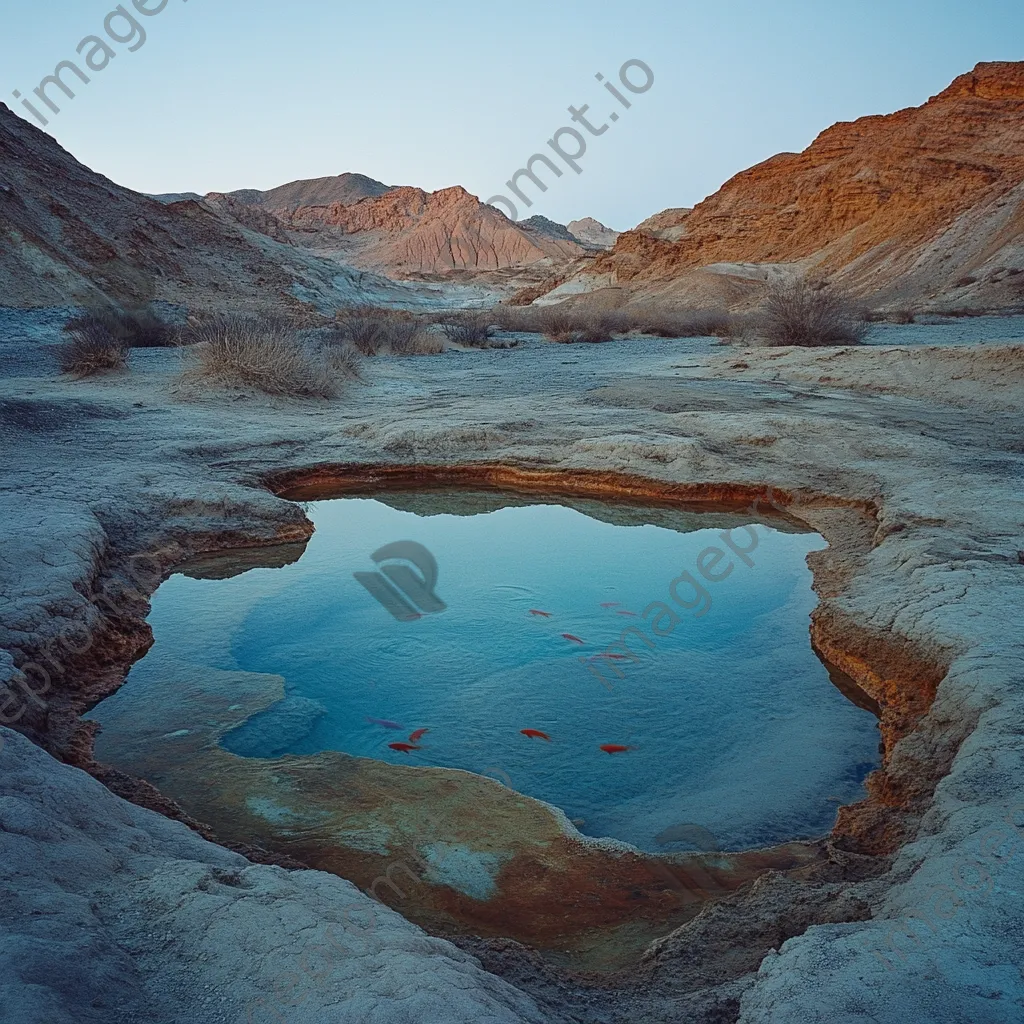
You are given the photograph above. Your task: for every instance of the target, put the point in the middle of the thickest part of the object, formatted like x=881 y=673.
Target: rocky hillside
x=669 y=225
x=408 y=232
x=69 y=235
x=918 y=207
x=592 y=232
x=340 y=188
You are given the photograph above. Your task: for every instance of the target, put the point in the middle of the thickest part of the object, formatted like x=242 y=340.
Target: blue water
x=732 y=722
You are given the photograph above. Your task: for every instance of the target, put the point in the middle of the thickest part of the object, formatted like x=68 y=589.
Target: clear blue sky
x=229 y=94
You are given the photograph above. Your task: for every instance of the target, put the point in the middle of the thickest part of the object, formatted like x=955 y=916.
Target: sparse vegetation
x=559 y=324
x=375 y=330
x=134 y=328
x=682 y=323
x=472 y=329
x=807 y=314
x=268 y=355
x=89 y=348
x=344 y=356
x=409 y=338
x=592 y=327
x=363 y=326
x=579 y=323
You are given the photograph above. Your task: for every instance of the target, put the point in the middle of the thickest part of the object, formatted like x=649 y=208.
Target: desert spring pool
x=559 y=633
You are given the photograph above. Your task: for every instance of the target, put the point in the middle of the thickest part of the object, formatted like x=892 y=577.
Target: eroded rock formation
x=408 y=231
x=920 y=206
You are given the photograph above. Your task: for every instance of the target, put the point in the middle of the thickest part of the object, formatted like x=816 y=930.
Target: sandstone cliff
x=920 y=206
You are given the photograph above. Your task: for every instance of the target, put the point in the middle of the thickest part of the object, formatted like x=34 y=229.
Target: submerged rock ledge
x=916 y=605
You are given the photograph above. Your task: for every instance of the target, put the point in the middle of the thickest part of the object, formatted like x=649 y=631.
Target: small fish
x=574 y=639
x=609 y=604
x=609 y=656
x=384 y=722
x=418 y=735
x=536 y=734
x=633 y=614
x=403 y=747
x=537 y=611
x=614 y=748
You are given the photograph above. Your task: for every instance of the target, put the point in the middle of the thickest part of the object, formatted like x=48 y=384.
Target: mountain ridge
x=902 y=206
x=71 y=235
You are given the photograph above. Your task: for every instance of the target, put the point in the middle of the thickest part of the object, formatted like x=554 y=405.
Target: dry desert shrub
x=363 y=326
x=344 y=356
x=557 y=323
x=595 y=327
x=517 y=319
x=663 y=322
x=409 y=338
x=265 y=354
x=134 y=328
x=89 y=348
x=807 y=314
x=562 y=323
x=574 y=325
x=376 y=330
x=472 y=329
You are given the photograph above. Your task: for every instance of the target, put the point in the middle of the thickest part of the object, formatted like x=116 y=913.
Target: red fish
x=612 y=657
x=609 y=604
x=403 y=747
x=418 y=735
x=633 y=614
x=536 y=734
x=537 y=611
x=574 y=639
x=614 y=748
x=385 y=723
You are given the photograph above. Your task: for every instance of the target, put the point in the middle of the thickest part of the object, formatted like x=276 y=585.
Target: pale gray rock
x=111 y=913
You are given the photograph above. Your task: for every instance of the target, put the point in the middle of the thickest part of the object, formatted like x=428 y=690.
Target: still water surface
x=731 y=722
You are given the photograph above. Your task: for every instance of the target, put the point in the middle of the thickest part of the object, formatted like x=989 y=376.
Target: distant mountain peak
x=407 y=231
x=347 y=188
x=592 y=232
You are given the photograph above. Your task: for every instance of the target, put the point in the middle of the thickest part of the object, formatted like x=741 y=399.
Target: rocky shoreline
x=916 y=892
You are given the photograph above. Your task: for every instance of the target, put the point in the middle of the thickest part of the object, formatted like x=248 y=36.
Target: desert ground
x=906 y=454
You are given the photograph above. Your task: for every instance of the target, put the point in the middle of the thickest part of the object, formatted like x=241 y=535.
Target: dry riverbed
x=909 y=461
